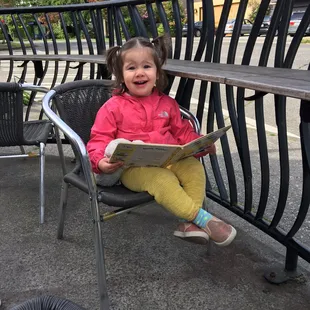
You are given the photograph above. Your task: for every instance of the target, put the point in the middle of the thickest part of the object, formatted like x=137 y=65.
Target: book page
x=143 y=154
x=202 y=143
x=161 y=155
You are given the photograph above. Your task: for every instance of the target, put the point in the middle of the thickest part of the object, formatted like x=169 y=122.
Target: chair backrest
x=78 y=103
x=11 y=114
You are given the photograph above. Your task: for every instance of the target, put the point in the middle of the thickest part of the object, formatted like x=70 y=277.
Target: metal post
x=291 y=259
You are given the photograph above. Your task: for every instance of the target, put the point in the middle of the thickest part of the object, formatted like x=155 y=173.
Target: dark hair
x=159 y=46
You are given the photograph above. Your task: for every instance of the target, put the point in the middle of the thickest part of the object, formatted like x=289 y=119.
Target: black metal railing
x=244 y=178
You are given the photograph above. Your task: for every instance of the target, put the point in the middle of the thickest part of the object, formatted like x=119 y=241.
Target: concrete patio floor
x=147 y=268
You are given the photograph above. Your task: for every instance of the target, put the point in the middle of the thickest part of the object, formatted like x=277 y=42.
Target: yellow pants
x=180 y=188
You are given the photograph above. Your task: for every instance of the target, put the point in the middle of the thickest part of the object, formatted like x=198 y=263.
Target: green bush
x=160 y=29
x=26 y=98
x=58 y=31
x=130 y=26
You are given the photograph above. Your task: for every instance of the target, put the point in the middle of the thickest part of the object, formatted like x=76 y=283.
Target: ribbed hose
x=48 y=303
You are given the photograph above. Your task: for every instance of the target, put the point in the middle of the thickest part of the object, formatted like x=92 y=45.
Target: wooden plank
x=288 y=82
x=281 y=81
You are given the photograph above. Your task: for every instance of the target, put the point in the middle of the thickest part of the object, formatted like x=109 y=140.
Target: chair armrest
x=191 y=117
x=32 y=87
x=74 y=139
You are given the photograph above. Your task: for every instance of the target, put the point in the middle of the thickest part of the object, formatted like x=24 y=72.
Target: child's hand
x=106 y=167
x=209 y=150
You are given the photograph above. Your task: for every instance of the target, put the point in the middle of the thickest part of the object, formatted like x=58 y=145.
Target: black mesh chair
x=77 y=104
x=16 y=132
x=48 y=303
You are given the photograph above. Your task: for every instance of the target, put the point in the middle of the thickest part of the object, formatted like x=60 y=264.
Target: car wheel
x=197 y=33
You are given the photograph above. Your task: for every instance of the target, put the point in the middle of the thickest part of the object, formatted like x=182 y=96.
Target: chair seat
x=115 y=196
x=37 y=131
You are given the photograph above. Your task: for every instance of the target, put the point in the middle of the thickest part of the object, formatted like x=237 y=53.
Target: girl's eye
x=131 y=68
x=147 y=66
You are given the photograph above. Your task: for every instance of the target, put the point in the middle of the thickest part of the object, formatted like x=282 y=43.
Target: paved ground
x=147 y=267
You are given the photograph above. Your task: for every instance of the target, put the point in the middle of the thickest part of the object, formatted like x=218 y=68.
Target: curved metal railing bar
x=280 y=105
x=205 y=43
x=260 y=119
x=188 y=51
x=229 y=99
x=151 y=18
x=215 y=106
x=243 y=148
x=304 y=129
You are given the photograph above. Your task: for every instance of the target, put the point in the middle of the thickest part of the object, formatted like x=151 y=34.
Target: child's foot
x=192 y=233
x=219 y=232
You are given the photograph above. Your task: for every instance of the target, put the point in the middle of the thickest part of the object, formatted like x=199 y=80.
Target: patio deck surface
x=147 y=268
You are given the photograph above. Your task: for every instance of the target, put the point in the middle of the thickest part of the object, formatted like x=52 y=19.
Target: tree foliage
x=55 y=24
x=16 y=3
x=254 y=5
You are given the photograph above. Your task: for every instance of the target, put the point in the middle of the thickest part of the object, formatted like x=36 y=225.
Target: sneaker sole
x=229 y=240
x=193 y=237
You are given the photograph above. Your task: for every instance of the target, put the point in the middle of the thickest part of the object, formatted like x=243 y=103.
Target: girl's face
x=139 y=71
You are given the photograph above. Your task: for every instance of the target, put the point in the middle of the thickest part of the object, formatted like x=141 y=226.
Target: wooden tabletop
x=281 y=81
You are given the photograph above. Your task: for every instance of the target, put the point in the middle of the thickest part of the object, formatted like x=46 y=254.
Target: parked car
x=245 y=28
x=265 y=25
x=267 y=20
x=295 y=20
x=197 y=29
x=263 y=28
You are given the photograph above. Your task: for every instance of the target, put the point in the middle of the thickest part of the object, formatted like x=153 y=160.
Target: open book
x=162 y=155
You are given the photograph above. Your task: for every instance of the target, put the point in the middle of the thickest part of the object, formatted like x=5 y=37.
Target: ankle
x=202 y=218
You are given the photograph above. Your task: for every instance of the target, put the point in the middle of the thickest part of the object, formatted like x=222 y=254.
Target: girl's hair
x=159 y=46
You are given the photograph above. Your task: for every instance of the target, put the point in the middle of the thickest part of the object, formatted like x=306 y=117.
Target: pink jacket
x=153 y=119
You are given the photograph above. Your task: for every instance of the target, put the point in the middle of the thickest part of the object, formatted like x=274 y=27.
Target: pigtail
x=162 y=46
x=112 y=59
x=115 y=66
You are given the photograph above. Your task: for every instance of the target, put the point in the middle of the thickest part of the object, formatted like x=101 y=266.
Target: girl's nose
x=140 y=71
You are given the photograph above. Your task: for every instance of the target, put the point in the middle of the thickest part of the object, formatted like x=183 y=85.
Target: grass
x=305 y=40
x=15 y=45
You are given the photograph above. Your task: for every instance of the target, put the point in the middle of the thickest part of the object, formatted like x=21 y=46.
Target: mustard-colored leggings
x=180 y=188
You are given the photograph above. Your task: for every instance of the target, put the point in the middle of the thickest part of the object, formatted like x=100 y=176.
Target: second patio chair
x=77 y=104
x=14 y=131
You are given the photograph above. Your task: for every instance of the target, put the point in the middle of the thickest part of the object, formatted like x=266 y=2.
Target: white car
x=295 y=22
x=245 y=28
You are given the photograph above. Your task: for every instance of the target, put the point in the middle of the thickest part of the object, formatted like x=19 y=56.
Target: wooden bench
x=280 y=81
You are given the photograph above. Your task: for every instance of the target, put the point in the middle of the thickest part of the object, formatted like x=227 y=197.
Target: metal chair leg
x=22 y=149
x=42 y=170
x=62 y=209
x=99 y=250
x=60 y=150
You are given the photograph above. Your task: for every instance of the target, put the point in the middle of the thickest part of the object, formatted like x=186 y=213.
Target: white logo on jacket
x=163 y=114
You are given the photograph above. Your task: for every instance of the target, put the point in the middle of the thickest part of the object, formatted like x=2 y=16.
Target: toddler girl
x=138 y=110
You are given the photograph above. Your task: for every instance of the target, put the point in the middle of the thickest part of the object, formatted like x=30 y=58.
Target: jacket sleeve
x=181 y=128
x=103 y=131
